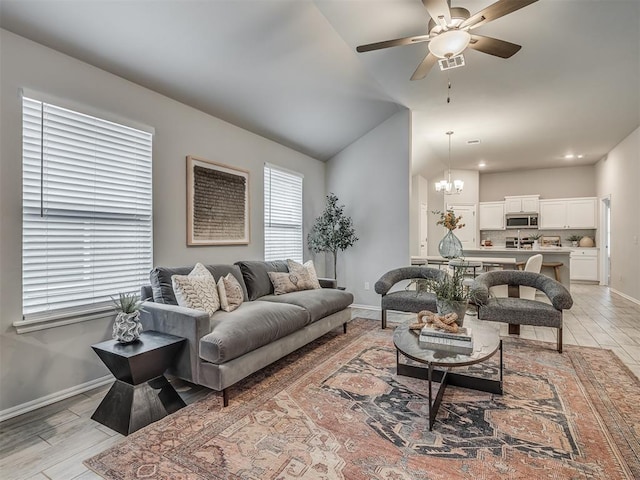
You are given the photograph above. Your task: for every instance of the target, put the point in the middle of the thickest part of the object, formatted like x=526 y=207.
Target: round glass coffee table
x=486 y=342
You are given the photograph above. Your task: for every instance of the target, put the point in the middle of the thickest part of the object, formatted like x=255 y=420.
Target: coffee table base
x=446 y=377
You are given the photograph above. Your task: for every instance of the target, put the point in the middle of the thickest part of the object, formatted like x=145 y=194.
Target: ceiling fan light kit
x=450 y=43
x=449 y=34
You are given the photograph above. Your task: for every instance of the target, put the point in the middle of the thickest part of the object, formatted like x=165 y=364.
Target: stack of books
x=460 y=342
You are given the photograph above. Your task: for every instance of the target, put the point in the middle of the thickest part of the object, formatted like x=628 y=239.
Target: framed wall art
x=217 y=203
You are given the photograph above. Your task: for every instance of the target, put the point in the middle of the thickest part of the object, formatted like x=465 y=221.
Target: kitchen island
x=549 y=255
x=505 y=257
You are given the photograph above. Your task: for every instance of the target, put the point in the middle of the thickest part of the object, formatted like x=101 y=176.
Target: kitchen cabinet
x=584 y=264
x=567 y=213
x=491 y=215
x=521 y=204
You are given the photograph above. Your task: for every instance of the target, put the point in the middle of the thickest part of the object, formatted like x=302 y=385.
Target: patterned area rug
x=336 y=410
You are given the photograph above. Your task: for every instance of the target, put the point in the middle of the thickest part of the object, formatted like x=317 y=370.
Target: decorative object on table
x=217 y=204
x=457 y=342
x=450 y=246
x=332 y=231
x=445 y=323
x=451 y=294
x=536 y=240
x=127 y=326
x=586 y=242
x=574 y=239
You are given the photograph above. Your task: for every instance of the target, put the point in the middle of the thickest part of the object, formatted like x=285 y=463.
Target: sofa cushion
x=256 y=276
x=318 y=302
x=230 y=293
x=520 y=311
x=290 y=281
x=197 y=290
x=307 y=267
x=250 y=326
x=161 y=280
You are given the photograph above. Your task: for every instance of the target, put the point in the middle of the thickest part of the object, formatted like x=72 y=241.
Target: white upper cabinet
x=568 y=213
x=521 y=204
x=491 y=215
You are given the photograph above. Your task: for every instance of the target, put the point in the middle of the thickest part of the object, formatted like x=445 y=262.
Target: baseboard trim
x=54 y=397
x=365 y=307
x=624 y=295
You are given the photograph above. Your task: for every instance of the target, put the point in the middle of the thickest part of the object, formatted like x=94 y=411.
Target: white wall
x=371 y=178
x=565 y=182
x=38 y=364
x=618 y=175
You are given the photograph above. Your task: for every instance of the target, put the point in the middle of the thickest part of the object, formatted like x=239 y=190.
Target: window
x=87 y=212
x=282 y=214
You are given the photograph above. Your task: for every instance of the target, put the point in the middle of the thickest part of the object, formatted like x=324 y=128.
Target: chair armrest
x=328 y=282
x=389 y=279
x=182 y=322
x=556 y=292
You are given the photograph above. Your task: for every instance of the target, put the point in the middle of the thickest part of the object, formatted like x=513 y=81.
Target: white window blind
x=282 y=214
x=87 y=212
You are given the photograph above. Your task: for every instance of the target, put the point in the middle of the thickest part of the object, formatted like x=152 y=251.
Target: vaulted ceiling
x=288 y=70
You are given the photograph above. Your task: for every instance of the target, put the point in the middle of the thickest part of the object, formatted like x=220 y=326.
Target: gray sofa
x=521 y=311
x=228 y=346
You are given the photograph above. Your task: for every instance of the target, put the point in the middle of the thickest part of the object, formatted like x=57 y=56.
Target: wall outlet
x=366 y=285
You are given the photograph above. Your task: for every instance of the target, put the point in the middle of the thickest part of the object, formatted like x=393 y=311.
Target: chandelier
x=445 y=185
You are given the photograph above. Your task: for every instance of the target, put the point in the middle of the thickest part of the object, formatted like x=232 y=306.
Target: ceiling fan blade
x=424 y=67
x=392 y=43
x=493 y=46
x=438 y=8
x=496 y=10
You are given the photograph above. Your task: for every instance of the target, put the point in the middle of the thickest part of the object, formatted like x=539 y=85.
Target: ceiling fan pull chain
x=448 y=90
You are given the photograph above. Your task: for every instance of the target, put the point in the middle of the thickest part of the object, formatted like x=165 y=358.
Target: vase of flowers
x=127 y=326
x=450 y=246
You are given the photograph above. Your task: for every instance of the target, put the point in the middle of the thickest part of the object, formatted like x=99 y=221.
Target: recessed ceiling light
x=473 y=142
x=569 y=156
x=580 y=156
x=482 y=164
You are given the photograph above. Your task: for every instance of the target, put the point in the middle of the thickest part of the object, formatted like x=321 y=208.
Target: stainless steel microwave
x=522 y=221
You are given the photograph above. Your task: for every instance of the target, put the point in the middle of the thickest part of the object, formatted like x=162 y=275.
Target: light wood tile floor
x=51 y=442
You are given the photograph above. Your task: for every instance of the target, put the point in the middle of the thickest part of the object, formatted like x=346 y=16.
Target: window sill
x=36 y=324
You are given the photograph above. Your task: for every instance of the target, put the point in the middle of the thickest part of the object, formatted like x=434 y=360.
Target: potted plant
x=450 y=246
x=535 y=237
x=127 y=326
x=451 y=294
x=574 y=239
x=332 y=231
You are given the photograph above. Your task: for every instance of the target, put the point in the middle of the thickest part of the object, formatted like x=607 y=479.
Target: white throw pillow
x=230 y=292
x=196 y=290
x=310 y=269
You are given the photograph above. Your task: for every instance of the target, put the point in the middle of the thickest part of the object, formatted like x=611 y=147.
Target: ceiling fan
x=449 y=33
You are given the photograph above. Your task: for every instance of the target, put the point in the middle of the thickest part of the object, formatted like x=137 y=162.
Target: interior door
x=467 y=234
x=424 y=221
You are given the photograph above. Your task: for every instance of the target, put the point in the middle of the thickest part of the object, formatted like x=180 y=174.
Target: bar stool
x=555 y=265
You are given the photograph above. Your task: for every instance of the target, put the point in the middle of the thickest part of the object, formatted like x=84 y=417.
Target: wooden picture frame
x=217 y=203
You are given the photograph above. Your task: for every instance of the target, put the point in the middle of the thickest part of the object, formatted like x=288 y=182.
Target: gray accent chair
x=521 y=311
x=413 y=301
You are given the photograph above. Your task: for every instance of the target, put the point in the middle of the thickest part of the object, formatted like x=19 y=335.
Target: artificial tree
x=332 y=231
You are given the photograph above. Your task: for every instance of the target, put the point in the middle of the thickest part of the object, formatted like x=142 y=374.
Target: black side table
x=141 y=394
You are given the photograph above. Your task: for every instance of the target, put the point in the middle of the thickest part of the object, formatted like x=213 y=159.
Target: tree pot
x=459 y=307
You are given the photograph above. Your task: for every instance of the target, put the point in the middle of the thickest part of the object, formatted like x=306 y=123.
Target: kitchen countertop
x=502 y=249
